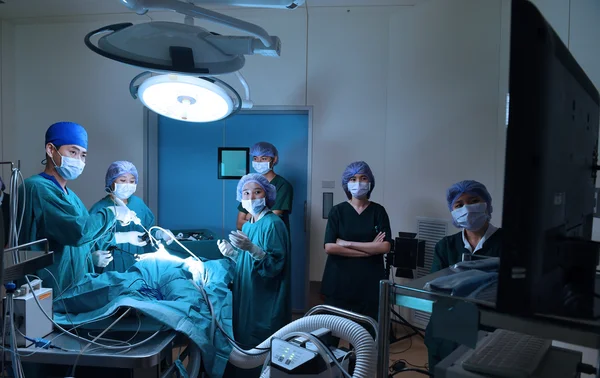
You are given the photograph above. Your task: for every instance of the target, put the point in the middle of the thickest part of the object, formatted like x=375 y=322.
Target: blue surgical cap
x=64 y=133
x=264 y=149
x=119 y=168
x=358 y=167
x=470 y=187
x=270 y=191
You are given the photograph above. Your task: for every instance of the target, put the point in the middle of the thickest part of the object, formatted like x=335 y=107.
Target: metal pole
x=46 y=247
x=383 y=344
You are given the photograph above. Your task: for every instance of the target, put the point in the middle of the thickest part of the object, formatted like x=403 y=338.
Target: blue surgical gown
x=123 y=260
x=261 y=288
x=60 y=216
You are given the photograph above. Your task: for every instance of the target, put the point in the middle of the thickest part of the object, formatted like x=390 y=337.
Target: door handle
x=305 y=216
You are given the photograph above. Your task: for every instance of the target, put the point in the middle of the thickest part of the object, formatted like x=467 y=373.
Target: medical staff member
x=357 y=236
x=121 y=182
x=264 y=159
x=261 y=287
x=53 y=211
x=470 y=204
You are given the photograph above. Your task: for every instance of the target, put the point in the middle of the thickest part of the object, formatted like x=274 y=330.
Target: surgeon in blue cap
x=54 y=212
x=470 y=204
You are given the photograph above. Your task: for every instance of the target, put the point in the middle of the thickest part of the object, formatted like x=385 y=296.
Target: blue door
x=190 y=196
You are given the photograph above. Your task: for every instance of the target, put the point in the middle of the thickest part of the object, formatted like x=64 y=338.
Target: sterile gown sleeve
x=261 y=289
x=274 y=242
x=124 y=256
x=70 y=223
x=59 y=216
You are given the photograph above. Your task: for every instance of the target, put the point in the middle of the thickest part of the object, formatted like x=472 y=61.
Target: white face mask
x=124 y=191
x=471 y=217
x=261 y=167
x=254 y=206
x=359 y=189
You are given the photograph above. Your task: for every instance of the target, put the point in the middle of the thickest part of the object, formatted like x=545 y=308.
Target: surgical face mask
x=359 y=189
x=471 y=217
x=261 y=167
x=70 y=168
x=254 y=206
x=124 y=191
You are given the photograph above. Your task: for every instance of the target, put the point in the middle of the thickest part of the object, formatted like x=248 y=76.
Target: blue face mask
x=254 y=206
x=261 y=167
x=471 y=217
x=70 y=168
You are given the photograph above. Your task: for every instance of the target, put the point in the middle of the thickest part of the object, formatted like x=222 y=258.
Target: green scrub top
x=59 y=216
x=283 y=201
x=351 y=278
x=450 y=249
x=261 y=288
x=448 y=252
x=124 y=257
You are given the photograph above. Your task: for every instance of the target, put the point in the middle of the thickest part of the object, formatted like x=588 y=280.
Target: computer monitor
x=548 y=261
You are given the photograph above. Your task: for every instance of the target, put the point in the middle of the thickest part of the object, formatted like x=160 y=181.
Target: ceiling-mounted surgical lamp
x=186 y=58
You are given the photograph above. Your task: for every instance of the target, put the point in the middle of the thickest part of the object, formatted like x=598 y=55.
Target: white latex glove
x=124 y=215
x=239 y=240
x=101 y=259
x=226 y=249
x=166 y=236
x=131 y=237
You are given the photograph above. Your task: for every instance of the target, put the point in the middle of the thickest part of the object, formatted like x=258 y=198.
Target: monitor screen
x=547 y=261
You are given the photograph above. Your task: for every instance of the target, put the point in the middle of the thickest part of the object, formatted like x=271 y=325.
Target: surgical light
x=187 y=58
x=185 y=98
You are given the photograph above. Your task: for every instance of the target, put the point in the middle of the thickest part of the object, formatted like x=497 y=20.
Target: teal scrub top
x=124 y=257
x=283 y=201
x=59 y=216
x=352 y=278
x=261 y=288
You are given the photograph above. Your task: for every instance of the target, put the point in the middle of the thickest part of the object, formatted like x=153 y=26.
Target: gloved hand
x=101 y=259
x=166 y=236
x=239 y=240
x=226 y=249
x=131 y=237
x=124 y=215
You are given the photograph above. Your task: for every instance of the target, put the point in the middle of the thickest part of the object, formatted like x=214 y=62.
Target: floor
x=412 y=351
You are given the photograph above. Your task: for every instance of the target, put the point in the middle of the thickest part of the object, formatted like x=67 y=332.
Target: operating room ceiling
x=10 y=9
